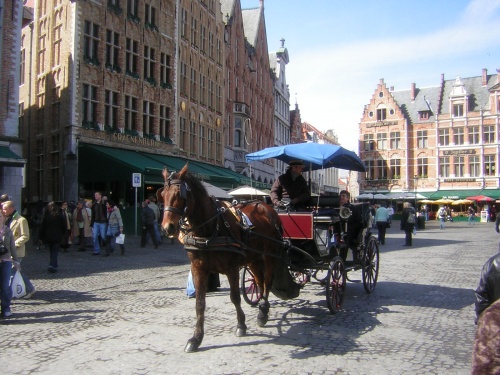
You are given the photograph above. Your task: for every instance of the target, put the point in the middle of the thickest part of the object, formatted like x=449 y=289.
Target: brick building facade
x=440 y=141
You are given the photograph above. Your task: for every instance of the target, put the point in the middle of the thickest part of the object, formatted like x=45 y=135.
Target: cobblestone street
x=130 y=315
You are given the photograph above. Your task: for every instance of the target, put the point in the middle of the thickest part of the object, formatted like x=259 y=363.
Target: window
x=22 y=63
x=474 y=166
x=203 y=90
x=203 y=40
x=165 y=69
x=381 y=114
x=182 y=134
x=459 y=162
x=184 y=16
x=444 y=137
x=89 y=104
x=149 y=64
x=164 y=123
x=201 y=141
x=184 y=79
x=458 y=135
x=238 y=136
x=396 y=168
x=42 y=46
x=370 y=169
x=489 y=134
x=474 y=135
x=193 y=85
x=130 y=113
x=444 y=166
x=211 y=45
x=369 y=143
x=381 y=141
x=210 y=144
x=422 y=139
x=192 y=138
x=132 y=56
x=56 y=49
x=422 y=168
x=489 y=165
x=132 y=8
x=218 y=104
x=424 y=115
x=194 y=31
x=211 y=94
x=112 y=50
x=395 y=140
x=382 y=169
x=458 y=110
x=150 y=17
x=111 y=108
x=147 y=118
x=91 y=42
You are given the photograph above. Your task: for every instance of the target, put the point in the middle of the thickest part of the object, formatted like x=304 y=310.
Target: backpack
x=411 y=218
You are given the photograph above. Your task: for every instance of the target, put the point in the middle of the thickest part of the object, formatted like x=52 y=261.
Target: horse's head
x=174 y=196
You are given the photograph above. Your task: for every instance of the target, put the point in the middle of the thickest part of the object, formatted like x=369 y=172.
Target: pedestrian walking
x=408 y=220
x=115 y=227
x=52 y=231
x=81 y=225
x=21 y=231
x=442 y=217
x=9 y=261
x=382 y=220
x=99 y=222
x=472 y=215
x=148 y=219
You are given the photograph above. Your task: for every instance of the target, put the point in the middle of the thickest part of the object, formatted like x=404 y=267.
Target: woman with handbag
x=115 y=227
x=8 y=259
x=408 y=220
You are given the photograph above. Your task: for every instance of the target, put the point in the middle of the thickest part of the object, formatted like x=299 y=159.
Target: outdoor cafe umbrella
x=480 y=198
x=444 y=201
x=462 y=201
x=247 y=190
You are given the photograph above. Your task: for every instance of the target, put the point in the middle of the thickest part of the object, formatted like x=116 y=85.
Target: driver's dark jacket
x=286 y=187
x=354 y=225
x=488 y=290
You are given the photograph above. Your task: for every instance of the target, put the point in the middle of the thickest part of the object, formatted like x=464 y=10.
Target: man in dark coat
x=488 y=290
x=291 y=185
x=148 y=220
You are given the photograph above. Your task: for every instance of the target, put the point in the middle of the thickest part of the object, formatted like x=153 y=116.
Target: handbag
x=17 y=285
x=120 y=239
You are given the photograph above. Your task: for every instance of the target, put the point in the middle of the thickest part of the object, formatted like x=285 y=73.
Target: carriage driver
x=291 y=185
x=354 y=226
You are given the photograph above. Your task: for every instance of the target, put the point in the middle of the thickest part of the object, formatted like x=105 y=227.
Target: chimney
x=391 y=89
x=484 y=81
x=412 y=94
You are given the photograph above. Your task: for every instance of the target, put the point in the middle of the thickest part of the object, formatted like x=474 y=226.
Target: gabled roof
x=251 y=20
x=479 y=96
x=426 y=99
x=227 y=7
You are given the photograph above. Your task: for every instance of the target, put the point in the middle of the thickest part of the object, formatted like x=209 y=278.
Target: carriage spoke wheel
x=335 y=285
x=370 y=265
x=249 y=289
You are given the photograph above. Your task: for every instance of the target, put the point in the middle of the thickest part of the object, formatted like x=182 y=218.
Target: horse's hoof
x=191 y=347
x=241 y=331
x=262 y=320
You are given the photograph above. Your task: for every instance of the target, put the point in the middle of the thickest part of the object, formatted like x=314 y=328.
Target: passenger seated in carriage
x=356 y=226
x=291 y=185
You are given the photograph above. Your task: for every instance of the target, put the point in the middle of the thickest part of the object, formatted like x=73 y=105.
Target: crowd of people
x=56 y=227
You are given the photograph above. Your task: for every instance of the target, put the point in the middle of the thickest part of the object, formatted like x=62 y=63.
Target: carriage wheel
x=370 y=265
x=249 y=289
x=335 y=285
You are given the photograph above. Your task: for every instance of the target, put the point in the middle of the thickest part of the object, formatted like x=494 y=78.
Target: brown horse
x=219 y=238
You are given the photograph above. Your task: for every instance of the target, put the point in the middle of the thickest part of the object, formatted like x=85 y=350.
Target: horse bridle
x=184 y=189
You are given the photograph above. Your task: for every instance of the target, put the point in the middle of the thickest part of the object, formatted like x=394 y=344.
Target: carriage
x=318 y=247
x=278 y=251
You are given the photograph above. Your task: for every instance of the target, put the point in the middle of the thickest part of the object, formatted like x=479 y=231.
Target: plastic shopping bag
x=190 y=289
x=17 y=285
x=120 y=239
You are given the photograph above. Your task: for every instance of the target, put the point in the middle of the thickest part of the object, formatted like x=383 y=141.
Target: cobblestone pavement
x=129 y=315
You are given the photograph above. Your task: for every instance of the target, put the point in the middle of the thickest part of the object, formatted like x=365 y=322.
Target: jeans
x=54 y=248
x=5 y=288
x=27 y=282
x=111 y=232
x=471 y=219
x=99 y=229
x=442 y=220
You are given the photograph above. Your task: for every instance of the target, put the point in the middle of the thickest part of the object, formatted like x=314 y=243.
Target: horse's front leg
x=265 y=287
x=233 y=276
x=200 y=280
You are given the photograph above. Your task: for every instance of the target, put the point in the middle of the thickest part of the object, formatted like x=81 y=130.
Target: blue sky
x=339 y=50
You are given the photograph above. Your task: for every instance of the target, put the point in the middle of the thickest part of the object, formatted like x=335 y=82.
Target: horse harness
x=218 y=241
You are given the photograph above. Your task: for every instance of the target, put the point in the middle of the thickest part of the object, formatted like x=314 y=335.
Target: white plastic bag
x=17 y=285
x=120 y=239
x=190 y=289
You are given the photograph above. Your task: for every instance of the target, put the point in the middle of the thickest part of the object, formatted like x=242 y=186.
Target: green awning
x=492 y=193
x=10 y=158
x=455 y=194
x=99 y=163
